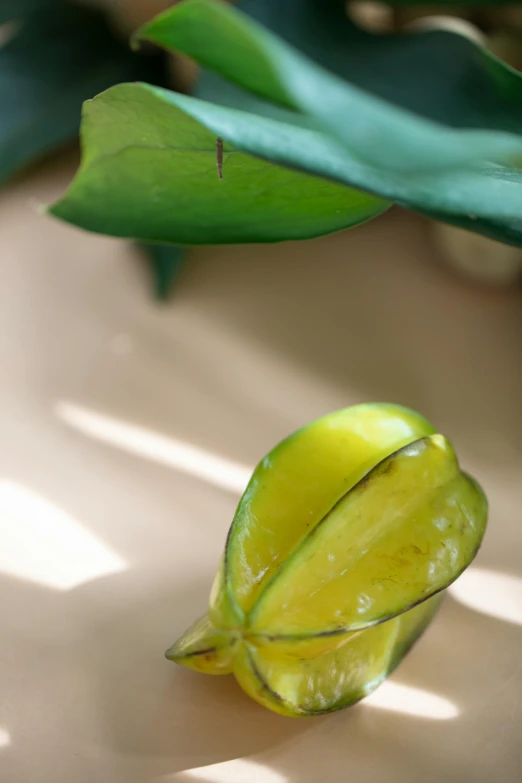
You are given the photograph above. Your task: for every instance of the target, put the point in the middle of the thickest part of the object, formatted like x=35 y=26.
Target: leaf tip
x=147 y=32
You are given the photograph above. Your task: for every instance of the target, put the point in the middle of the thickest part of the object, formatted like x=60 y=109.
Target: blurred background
x=129 y=429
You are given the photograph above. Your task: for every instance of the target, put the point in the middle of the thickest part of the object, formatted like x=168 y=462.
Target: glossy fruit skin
x=337 y=558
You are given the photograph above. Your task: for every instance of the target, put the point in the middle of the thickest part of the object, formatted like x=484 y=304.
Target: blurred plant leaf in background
x=167 y=262
x=457 y=3
x=436 y=74
x=17 y=9
x=487 y=101
x=59 y=57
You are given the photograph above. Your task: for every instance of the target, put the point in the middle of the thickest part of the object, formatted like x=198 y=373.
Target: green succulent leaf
x=401 y=129
x=428 y=119
x=149 y=172
x=381 y=134
x=168 y=153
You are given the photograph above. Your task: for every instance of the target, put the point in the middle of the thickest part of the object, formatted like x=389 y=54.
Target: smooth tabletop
x=128 y=430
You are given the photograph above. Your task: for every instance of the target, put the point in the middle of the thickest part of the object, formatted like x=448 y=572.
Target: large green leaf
x=190 y=206
x=316 y=27
x=436 y=77
x=173 y=157
x=149 y=172
x=61 y=56
x=457 y=72
x=382 y=134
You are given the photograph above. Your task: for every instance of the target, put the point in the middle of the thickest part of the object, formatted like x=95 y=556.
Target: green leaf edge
x=281 y=74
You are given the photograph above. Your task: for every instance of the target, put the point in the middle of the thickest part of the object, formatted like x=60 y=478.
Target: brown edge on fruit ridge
x=360 y=485
x=266 y=687
x=248 y=488
x=382 y=468
x=297 y=713
x=400 y=654
x=380 y=621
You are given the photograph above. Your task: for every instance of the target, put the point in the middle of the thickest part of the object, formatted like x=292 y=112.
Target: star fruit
x=337 y=558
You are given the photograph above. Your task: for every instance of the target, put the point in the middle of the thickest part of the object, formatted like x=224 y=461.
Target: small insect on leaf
x=219 y=156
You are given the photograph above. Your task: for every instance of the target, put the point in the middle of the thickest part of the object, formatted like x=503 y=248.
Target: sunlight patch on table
x=490 y=592
x=411 y=701
x=42 y=543
x=177 y=454
x=236 y=771
x=5 y=738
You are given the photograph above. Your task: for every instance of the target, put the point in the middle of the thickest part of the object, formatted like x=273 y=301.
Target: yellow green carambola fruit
x=336 y=558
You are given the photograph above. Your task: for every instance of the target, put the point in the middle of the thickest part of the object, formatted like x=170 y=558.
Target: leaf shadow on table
x=374 y=314
x=392 y=744
x=164 y=720
x=168 y=718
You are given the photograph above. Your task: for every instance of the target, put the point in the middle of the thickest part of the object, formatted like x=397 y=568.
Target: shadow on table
x=372 y=313
x=174 y=720
x=171 y=717
x=390 y=744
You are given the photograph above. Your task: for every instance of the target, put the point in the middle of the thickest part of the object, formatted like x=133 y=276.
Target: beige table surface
x=127 y=432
